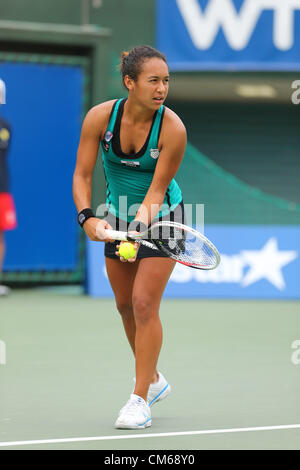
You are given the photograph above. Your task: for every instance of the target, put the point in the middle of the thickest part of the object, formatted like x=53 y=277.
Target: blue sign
x=258 y=262
x=43 y=106
x=229 y=34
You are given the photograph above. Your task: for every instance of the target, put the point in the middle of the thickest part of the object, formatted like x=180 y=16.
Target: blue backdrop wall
x=44 y=108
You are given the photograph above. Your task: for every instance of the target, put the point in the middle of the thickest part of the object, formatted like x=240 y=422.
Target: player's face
x=151 y=87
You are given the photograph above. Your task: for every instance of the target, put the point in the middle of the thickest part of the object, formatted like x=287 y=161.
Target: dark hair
x=132 y=61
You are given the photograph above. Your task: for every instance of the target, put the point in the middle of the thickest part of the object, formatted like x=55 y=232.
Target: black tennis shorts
x=177 y=215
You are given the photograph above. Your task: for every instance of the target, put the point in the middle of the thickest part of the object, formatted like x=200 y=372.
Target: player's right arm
x=92 y=131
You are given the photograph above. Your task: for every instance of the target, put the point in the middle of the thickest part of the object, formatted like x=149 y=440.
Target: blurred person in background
x=7 y=208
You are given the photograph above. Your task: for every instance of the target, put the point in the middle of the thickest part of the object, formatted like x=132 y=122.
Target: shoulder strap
x=113 y=115
x=154 y=138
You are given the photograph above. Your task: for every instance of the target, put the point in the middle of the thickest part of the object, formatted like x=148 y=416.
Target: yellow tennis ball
x=127 y=250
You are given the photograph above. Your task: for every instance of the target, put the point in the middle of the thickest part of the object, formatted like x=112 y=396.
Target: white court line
x=141 y=436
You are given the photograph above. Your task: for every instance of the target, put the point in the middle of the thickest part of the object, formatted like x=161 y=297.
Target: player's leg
x=149 y=284
x=121 y=277
x=150 y=280
x=2 y=249
x=4 y=290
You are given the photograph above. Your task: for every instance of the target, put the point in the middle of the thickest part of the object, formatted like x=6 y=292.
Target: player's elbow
x=81 y=176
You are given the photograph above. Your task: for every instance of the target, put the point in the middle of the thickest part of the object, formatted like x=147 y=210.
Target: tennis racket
x=179 y=242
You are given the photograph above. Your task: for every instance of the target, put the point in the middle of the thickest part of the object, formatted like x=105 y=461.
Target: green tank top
x=128 y=177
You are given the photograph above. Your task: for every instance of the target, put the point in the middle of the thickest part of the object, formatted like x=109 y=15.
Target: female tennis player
x=143 y=143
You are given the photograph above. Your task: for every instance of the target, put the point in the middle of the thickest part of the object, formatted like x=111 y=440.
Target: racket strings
x=198 y=252
x=184 y=246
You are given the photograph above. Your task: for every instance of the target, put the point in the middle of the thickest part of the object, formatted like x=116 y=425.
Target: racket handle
x=116 y=235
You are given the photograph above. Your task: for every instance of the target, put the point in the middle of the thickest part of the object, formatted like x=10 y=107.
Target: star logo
x=267 y=263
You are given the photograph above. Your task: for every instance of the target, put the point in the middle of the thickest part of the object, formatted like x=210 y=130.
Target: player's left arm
x=173 y=142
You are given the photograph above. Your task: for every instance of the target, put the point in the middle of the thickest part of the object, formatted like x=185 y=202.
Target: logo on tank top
x=154 y=153
x=107 y=138
x=132 y=164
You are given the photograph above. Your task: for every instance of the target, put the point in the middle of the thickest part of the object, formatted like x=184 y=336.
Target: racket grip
x=116 y=235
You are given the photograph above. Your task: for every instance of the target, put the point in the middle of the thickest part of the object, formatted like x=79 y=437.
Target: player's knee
x=125 y=308
x=143 y=309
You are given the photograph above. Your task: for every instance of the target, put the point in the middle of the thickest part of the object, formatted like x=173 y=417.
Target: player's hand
x=95 y=229
x=136 y=246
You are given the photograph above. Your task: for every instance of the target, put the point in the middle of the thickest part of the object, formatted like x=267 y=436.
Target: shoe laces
x=132 y=406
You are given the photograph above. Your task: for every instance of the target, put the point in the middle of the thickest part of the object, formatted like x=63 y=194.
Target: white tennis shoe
x=4 y=290
x=158 y=390
x=135 y=414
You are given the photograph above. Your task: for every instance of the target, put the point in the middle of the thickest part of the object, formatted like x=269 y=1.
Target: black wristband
x=84 y=215
x=137 y=226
